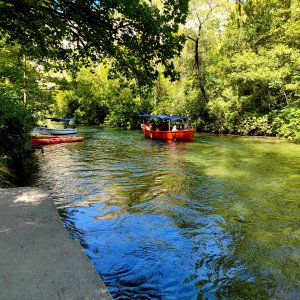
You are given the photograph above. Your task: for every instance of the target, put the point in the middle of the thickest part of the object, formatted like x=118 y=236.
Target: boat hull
x=50 y=141
x=185 y=135
x=46 y=136
x=55 y=131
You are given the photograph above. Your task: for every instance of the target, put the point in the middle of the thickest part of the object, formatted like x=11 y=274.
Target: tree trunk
x=239 y=13
x=198 y=73
x=24 y=82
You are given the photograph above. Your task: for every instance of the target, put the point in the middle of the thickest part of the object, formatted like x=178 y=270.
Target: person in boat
x=164 y=126
x=174 y=128
x=186 y=125
x=149 y=126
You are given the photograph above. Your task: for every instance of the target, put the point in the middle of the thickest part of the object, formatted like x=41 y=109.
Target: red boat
x=49 y=141
x=163 y=131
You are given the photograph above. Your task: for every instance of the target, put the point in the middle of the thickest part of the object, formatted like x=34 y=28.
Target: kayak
x=50 y=141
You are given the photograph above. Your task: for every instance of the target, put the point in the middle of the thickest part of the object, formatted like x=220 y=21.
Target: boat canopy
x=61 y=120
x=163 y=117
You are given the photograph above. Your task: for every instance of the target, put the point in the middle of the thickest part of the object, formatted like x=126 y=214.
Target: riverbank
x=38 y=258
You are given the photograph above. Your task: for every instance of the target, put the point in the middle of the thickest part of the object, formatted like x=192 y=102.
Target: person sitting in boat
x=149 y=126
x=164 y=126
x=174 y=128
x=153 y=125
x=186 y=125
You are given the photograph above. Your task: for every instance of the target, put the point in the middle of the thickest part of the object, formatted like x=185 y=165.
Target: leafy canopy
x=136 y=34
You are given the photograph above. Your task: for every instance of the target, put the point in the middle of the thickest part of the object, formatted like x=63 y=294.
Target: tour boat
x=49 y=141
x=162 y=129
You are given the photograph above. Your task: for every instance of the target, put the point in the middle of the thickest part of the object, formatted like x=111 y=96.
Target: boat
x=49 y=141
x=161 y=128
x=57 y=127
x=45 y=136
x=55 y=131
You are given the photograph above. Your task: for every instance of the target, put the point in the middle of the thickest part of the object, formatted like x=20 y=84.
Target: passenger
x=174 y=128
x=164 y=126
x=186 y=125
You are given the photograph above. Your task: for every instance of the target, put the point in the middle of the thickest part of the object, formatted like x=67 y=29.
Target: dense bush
x=287 y=123
x=15 y=125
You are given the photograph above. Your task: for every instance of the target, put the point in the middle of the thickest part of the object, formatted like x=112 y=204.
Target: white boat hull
x=55 y=131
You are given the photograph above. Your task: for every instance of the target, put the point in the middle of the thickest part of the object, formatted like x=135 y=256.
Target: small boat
x=48 y=141
x=46 y=136
x=54 y=131
x=163 y=131
x=58 y=131
x=57 y=127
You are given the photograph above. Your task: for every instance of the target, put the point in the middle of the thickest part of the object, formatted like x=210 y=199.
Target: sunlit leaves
x=137 y=35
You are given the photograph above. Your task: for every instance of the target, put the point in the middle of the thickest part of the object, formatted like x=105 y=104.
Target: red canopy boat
x=163 y=130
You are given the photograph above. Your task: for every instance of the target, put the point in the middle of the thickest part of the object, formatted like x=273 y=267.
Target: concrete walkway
x=38 y=258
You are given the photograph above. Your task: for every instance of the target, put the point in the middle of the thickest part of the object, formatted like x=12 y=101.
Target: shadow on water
x=215 y=218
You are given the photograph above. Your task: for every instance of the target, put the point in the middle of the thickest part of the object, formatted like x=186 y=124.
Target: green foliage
x=15 y=126
x=15 y=145
x=254 y=125
x=125 y=110
x=268 y=78
x=15 y=114
x=93 y=98
x=23 y=98
x=239 y=66
x=135 y=34
x=23 y=81
x=247 y=63
x=287 y=123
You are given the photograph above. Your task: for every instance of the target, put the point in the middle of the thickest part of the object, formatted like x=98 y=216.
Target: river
x=216 y=218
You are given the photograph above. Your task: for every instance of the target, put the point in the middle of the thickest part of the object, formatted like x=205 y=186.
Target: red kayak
x=49 y=141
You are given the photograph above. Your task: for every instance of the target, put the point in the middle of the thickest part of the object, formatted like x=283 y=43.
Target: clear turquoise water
x=217 y=218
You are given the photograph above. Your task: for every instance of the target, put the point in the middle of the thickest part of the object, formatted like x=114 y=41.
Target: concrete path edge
x=38 y=258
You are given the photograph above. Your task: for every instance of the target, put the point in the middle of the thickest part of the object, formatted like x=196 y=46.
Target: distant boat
x=45 y=136
x=55 y=131
x=165 y=130
x=58 y=127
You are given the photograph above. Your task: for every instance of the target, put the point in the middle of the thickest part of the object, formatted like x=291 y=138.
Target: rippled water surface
x=217 y=218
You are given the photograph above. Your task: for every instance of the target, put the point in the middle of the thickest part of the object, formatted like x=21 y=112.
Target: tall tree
x=203 y=23
x=136 y=34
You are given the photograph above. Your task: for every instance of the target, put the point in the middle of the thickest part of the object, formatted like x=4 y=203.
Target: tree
x=136 y=34
x=16 y=115
x=199 y=14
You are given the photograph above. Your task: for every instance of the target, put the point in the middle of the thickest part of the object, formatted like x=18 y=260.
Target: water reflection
x=216 y=218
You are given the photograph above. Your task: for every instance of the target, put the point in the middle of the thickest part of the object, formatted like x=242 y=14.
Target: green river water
x=216 y=218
